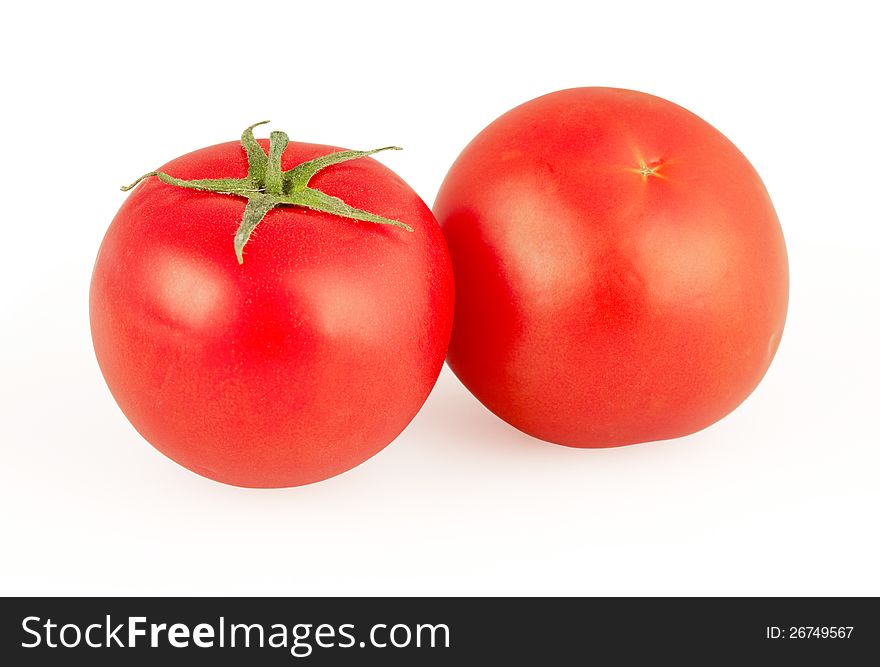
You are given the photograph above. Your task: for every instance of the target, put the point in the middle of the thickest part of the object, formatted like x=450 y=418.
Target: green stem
x=267 y=185
x=257 y=159
x=254 y=212
x=274 y=181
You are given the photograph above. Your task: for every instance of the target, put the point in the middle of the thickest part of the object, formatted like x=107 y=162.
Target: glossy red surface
x=621 y=273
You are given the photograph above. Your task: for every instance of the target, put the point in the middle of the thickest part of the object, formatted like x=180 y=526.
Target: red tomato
x=622 y=276
x=294 y=366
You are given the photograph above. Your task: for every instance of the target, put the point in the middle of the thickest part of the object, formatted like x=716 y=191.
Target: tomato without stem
x=293 y=366
x=622 y=275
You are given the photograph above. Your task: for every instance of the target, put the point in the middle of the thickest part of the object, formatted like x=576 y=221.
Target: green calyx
x=267 y=186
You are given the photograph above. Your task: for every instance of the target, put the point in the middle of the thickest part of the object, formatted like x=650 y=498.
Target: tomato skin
x=295 y=366
x=600 y=304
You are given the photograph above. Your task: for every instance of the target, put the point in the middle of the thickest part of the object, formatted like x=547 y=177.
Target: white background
x=781 y=497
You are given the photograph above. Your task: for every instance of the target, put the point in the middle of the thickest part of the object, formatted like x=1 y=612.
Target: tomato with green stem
x=271 y=314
